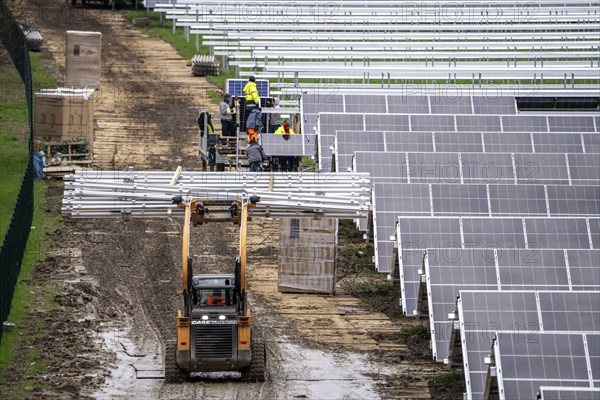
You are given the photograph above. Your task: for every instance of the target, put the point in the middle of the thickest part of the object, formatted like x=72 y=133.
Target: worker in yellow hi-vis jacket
x=251 y=92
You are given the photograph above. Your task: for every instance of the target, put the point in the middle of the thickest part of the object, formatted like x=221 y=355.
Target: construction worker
x=284 y=129
x=256 y=155
x=275 y=120
x=226 y=114
x=251 y=92
x=216 y=299
x=287 y=163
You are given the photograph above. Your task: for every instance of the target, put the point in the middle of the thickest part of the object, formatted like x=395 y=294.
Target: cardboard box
x=63 y=114
x=307 y=255
x=83 y=59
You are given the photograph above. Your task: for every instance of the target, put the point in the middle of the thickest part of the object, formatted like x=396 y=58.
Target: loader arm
x=186 y=268
x=243 y=230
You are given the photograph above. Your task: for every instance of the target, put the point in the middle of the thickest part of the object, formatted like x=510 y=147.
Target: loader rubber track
x=257 y=369
x=172 y=372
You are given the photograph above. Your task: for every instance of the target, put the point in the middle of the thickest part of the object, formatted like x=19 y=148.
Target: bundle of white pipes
x=151 y=193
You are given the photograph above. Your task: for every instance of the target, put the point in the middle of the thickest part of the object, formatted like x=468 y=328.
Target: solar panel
x=277 y=145
x=365 y=103
x=591 y=143
x=414 y=236
x=433 y=167
x=478 y=123
x=450 y=199
x=382 y=167
x=494 y=104
x=557 y=143
x=388 y=199
x=504 y=233
x=541 y=168
x=386 y=122
x=311 y=104
x=583 y=269
x=507 y=142
x=534 y=269
x=408 y=104
x=451 y=105
x=574 y=200
x=447 y=272
x=527 y=361
x=458 y=142
x=421 y=122
x=235 y=86
x=568 y=393
x=556 y=233
x=529 y=123
x=568 y=123
x=487 y=168
x=570 y=311
x=517 y=200
x=409 y=141
x=328 y=124
x=584 y=168
x=347 y=142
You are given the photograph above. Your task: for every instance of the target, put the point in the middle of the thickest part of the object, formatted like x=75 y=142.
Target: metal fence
x=15 y=239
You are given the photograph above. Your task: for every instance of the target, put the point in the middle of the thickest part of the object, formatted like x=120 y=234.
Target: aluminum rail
x=149 y=194
x=395 y=71
x=373 y=3
x=406 y=55
x=187 y=20
x=424 y=6
x=289 y=13
x=581 y=67
x=410 y=89
x=257 y=35
x=538 y=28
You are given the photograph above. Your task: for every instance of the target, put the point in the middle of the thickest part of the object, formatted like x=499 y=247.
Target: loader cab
x=214 y=292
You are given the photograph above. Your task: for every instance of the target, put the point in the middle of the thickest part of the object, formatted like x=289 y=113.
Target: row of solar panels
x=330 y=123
x=346 y=143
x=448 y=271
x=520 y=341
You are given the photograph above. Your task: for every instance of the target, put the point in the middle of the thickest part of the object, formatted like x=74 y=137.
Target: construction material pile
x=150 y=193
x=33 y=37
x=203 y=65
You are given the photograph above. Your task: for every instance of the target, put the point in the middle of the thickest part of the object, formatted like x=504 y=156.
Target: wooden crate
x=83 y=59
x=63 y=114
x=307 y=255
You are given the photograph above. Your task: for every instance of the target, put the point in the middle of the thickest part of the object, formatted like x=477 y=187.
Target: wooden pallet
x=71 y=156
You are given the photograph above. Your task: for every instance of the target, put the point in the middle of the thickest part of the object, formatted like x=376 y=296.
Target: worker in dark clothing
x=256 y=155
x=226 y=114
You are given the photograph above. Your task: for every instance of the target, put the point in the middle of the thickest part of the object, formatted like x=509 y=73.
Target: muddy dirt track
x=119 y=281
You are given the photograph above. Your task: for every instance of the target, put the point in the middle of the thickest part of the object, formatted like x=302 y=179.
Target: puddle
x=133 y=372
x=316 y=374
x=295 y=372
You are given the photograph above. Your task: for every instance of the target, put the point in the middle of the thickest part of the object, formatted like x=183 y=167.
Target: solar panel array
x=527 y=361
x=568 y=393
x=527 y=313
x=477 y=197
